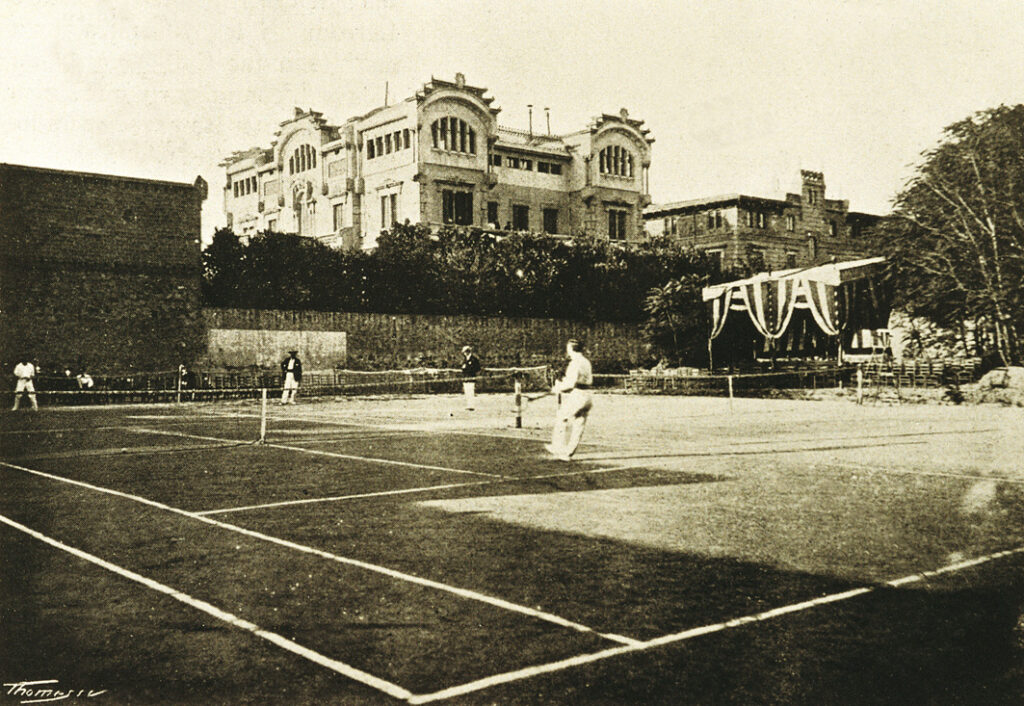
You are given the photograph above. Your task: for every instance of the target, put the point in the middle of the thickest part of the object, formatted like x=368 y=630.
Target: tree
x=223 y=265
x=678 y=323
x=415 y=270
x=955 y=240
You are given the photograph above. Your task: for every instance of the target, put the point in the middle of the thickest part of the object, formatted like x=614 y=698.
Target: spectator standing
x=470 y=370
x=291 y=372
x=24 y=372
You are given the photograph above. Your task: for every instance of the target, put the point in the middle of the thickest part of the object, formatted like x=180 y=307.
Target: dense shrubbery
x=453 y=271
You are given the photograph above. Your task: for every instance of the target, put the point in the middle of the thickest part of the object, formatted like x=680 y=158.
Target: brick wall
x=98 y=271
x=386 y=341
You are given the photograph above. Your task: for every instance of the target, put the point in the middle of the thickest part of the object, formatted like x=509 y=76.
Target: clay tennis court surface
x=403 y=549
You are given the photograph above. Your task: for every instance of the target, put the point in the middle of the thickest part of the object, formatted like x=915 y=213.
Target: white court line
x=407 y=491
x=407 y=464
x=391 y=573
x=560 y=665
x=337 y=498
x=424 y=426
x=317 y=452
x=282 y=642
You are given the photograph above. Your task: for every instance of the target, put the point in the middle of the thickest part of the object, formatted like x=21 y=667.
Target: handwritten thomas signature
x=47 y=690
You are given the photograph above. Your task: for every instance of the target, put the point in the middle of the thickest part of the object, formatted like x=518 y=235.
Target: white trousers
x=291 y=388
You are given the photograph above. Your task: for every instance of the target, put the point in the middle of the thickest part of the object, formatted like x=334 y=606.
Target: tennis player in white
x=25 y=371
x=576 y=403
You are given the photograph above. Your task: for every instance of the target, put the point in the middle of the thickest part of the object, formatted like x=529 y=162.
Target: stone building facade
x=99 y=271
x=763 y=233
x=440 y=157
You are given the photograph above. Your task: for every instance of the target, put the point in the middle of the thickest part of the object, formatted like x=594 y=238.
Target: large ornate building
x=440 y=157
x=763 y=233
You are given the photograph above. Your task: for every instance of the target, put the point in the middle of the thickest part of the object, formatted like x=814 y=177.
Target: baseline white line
x=563 y=664
x=317 y=452
x=208 y=608
x=391 y=573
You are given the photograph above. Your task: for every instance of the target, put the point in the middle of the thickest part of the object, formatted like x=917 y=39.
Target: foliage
x=678 y=322
x=451 y=271
x=955 y=240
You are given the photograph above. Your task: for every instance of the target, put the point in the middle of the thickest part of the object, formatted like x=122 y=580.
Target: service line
x=208 y=608
x=424 y=489
x=563 y=664
x=317 y=452
x=348 y=561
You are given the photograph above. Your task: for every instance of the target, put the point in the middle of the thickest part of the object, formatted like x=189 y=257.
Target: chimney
x=547 y=114
x=529 y=107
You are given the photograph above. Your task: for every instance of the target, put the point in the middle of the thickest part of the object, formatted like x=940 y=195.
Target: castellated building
x=440 y=157
x=764 y=233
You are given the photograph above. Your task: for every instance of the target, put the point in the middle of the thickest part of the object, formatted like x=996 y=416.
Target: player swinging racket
x=575 y=404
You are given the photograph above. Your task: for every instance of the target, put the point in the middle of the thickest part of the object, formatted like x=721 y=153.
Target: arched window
x=616 y=160
x=303 y=158
x=453 y=135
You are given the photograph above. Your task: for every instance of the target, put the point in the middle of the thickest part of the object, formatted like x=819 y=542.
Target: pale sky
x=739 y=95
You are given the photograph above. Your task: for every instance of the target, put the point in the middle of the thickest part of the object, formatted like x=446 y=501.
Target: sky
x=739 y=95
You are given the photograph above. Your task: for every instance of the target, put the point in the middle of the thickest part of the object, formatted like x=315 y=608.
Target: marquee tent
x=799 y=311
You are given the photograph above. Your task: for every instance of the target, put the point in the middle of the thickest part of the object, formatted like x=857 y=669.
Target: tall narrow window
x=616 y=224
x=616 y=160
x=550 y=220
x=492 y=213
x=454 y=135
x=520 y=217
x=394 y=208
x=457 y=207
x=715 y=257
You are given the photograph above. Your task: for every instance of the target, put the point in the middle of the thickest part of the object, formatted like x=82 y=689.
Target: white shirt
x=25 y=371
x=578 y=372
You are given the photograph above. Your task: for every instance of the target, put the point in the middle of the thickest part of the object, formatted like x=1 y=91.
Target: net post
x=519 y=404
x=730 y=393
x=263 y=415
x=177 y=397
x=860 y=384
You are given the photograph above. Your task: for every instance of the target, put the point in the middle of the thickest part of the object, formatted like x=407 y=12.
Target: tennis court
x=400 y=548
